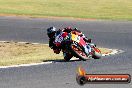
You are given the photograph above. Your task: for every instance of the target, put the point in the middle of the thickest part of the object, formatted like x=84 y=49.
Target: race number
x=59 y=38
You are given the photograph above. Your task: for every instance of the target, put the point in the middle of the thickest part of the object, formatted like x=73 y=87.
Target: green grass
x=93 y=9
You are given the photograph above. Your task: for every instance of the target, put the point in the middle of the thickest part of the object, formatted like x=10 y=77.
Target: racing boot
x=67 y=56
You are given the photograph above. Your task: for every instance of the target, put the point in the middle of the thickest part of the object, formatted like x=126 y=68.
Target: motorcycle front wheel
x=97 y=53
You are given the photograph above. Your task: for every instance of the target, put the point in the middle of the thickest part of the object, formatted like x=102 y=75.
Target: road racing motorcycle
x=73 y=44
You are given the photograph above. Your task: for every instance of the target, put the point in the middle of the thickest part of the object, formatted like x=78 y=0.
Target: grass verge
x=93 y=9
x=17 y=53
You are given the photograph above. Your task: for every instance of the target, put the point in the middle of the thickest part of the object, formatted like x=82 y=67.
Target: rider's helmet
x=51 y=32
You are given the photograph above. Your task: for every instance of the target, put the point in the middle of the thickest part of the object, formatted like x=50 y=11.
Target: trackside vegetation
x=91 y=9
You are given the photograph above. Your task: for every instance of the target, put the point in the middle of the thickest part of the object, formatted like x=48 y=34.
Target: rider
x=51 y=32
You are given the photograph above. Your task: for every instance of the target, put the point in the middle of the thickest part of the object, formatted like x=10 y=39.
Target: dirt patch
x=12 y=53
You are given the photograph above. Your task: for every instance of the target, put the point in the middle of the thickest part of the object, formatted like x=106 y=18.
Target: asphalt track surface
x=111 y=34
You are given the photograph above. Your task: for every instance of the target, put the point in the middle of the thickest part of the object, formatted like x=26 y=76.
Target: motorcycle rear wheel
x=67 y=57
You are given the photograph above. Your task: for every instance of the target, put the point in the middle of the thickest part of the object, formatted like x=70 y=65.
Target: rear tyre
x=78 y=52
x=67 y=56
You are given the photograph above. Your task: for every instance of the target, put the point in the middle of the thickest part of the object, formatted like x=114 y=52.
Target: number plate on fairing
x=59 y=38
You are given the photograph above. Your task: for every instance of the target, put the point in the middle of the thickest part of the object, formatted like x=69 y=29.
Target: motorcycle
x=74 y=45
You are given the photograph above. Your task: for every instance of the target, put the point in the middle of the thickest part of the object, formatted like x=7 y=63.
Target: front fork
x=89 y=49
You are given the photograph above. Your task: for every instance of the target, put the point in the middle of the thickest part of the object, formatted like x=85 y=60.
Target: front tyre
x=78 y=52
x=97 y=53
